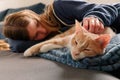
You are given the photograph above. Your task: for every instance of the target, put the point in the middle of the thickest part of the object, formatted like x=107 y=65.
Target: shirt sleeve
x=68 y=11
x=105 y=13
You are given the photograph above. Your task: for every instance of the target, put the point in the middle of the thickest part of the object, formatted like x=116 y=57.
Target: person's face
x=36 y=32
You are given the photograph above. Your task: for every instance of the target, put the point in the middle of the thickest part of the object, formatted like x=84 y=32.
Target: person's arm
x=68 y=11
x=105 y=13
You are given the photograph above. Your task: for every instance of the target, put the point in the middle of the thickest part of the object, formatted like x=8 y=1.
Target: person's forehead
x=32 y=29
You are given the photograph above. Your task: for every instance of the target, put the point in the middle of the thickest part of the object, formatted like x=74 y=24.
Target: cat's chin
x=78 y=57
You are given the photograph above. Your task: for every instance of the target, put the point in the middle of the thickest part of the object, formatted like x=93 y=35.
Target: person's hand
x=93 y=25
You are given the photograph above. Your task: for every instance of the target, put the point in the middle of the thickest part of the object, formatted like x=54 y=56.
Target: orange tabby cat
x=80 y=42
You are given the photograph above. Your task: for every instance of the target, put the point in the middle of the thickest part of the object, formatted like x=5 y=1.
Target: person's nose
x=41 y=30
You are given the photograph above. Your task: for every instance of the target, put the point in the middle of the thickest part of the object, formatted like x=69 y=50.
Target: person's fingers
x=85 y=24
x=91 y=25
x=101 y=29
x=97 y=26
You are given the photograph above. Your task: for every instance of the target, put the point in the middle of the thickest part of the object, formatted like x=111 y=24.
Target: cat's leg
x=47 y=47
x=53 y=44
x=44 y=46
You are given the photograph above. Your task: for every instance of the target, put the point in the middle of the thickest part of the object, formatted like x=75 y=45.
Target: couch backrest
x=5 y=4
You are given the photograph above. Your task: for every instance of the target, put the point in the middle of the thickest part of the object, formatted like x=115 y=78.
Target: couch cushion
x=38 y=8
x=19 y=45
x=1 y=35
x=1 y=25
x=14 y=66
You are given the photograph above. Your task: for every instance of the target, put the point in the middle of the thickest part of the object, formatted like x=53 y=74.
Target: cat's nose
x=76 y=54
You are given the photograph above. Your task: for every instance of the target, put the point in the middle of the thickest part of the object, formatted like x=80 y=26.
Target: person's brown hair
x=49 y=19
x=15 y=24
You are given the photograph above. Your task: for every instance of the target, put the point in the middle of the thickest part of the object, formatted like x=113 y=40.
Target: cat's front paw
x=31 y=52
x=28 y=52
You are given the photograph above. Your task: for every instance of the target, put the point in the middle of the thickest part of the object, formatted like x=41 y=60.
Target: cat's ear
x=103 y=39
x=78 y=26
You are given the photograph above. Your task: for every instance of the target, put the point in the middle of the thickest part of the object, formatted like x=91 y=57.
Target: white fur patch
x=82 y=55
x=47 y=47
x=78 y=57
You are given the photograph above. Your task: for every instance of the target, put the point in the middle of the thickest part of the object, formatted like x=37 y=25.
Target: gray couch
x=13 y=66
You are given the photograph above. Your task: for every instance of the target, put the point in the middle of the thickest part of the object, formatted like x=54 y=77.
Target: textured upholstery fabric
x=1 y=35
x=38 y=8
x=14 y=66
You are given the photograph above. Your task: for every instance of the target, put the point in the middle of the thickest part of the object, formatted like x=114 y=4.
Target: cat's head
x=86 y=44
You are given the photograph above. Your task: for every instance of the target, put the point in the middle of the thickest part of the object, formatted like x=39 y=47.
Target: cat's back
x=108 y=30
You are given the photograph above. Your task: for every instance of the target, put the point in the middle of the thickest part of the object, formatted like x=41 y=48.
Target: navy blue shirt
x=68 y=11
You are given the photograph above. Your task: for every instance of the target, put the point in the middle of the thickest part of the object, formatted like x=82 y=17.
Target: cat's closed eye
x=76 y=42
x=87 y=49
